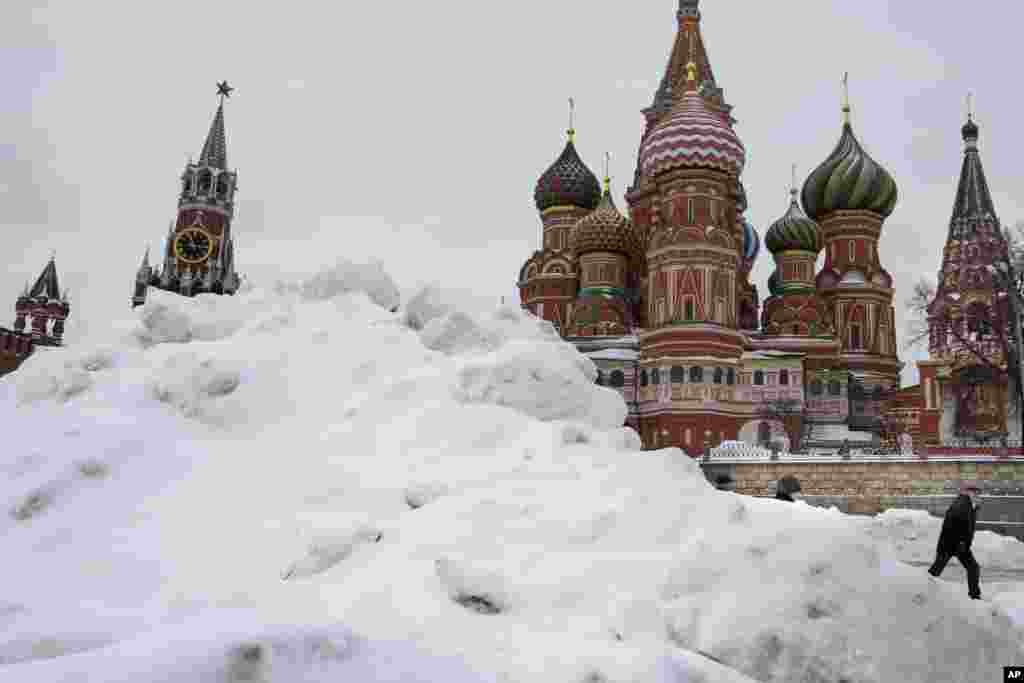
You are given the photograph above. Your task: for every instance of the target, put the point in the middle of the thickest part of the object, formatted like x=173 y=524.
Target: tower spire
x=215 y=149
x=973 y=199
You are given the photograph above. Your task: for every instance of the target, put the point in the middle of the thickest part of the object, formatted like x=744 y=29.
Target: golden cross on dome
x=846 y=97
x=970 y=106
x=572 y=120
x=792 y=187
x=223 y=90
x=607 y=171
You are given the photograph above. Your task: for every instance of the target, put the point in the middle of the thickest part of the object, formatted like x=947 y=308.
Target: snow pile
x=433 y=495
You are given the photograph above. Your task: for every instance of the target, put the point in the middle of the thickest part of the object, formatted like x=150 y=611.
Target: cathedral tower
x=970 y=313
x=40 y=312
x=564 y=194
x=198 y=254
x=686 y=206
x=850 y=195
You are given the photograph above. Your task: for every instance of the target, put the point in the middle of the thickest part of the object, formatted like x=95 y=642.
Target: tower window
x=656 y=376
x=186 y=184
x=643 y=378
x=784 y=377
x=835 y=388
x=696 y=375
x=690 y=218
x=688 y=310
x=677 y=375
x=853 y=251
x=618 y=378
x=222 y=186
x=855 y=340
x=759 y=377
x=719 y=373
x=205 y=182
x=817 y=388
x=730 y=377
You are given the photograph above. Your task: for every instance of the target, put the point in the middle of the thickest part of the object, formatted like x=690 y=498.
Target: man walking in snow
x=956 y=538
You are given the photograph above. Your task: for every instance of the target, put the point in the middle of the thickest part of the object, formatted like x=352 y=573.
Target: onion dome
x=568 y=182
x=692 y=135
x=751 y=241
x=849 y=180
x=604 y=229
x=794 y=231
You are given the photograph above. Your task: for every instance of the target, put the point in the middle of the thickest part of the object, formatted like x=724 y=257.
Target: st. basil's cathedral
x=662 y=300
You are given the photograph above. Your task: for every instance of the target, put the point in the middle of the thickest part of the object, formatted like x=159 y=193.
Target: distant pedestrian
x=788 y=489
x=956 y=538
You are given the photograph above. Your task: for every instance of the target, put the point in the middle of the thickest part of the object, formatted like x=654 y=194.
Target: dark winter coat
x=958 y=526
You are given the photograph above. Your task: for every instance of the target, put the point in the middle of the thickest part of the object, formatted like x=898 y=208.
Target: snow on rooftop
x=614 y=354
x=296 y=484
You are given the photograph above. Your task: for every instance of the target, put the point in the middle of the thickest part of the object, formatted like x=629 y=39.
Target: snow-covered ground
x=296 y=484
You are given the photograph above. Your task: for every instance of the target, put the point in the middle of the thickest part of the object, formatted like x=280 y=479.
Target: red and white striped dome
x=693 y=135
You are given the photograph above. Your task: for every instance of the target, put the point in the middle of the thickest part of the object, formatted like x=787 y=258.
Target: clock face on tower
x=193 y=245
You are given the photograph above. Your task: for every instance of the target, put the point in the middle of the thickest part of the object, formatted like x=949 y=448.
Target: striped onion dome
x=849 y=180
x=751 y=241
x=604 y=229
x=794 y=231
x=692 y=135
x=568 y=182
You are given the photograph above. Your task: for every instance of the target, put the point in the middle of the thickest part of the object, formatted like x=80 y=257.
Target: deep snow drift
x=296 y=484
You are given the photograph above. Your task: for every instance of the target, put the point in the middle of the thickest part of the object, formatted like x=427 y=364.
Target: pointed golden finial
x=846 y=97
x=792 y=185
x=691 y=73
x=572 y=120
x=607 y=172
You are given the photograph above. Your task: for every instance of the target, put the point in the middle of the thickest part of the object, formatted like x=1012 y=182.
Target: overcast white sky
x=414 y=132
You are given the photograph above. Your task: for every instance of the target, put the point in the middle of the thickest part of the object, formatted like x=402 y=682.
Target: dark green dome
x=794 y=231
x=849 y=180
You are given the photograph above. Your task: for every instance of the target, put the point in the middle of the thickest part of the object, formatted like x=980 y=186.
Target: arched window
x=618 y=378
x=222 y=185
x=817 y=388
x=643 y=378
x=678 y=375
x=730 y=377
x=688 y=310
x=855 y=339
x=784 y=377
x=853 y=250
x=205 y=182
x=186 y=183
x=719 y=373
x=690 y=218
x=834 y=388
x=759 y=377
x=655 y=376
x=696 y=374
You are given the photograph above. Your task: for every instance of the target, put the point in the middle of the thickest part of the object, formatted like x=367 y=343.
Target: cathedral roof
x=692 y=135
x=568 y=182
x=46 y=285
x=604 y=229
x=794 y=231
x=848 y=180
x=973 y=199
x=215 y=149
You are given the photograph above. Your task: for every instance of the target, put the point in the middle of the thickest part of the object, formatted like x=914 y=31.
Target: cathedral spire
x=973 y=199
x=215 y=149
x=688 y=47
x=46 y=285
